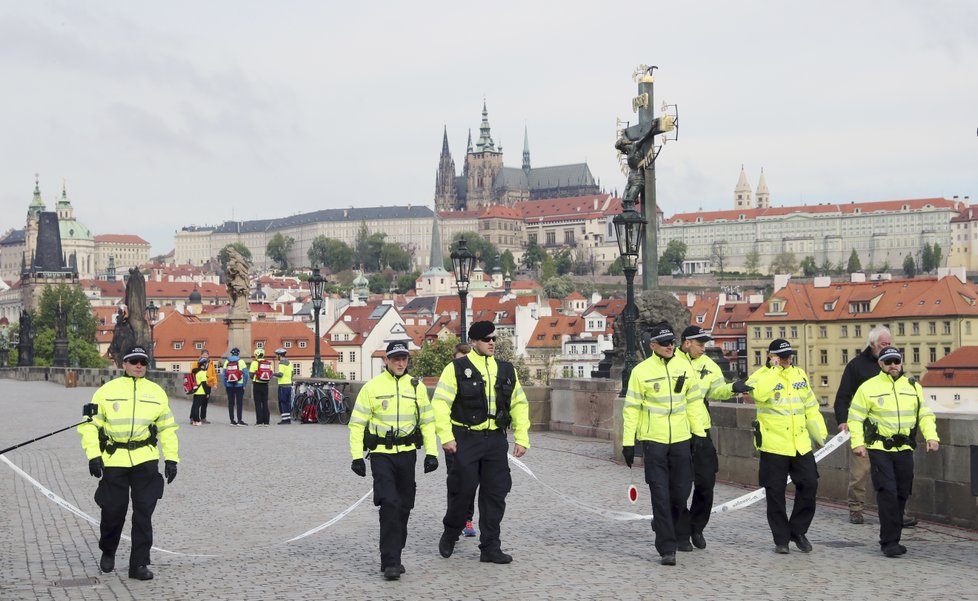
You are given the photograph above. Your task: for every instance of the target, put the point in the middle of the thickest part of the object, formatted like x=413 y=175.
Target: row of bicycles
x=321 y=403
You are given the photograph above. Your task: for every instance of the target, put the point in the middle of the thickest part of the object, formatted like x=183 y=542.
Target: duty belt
x=131 y=445
x=466 y=431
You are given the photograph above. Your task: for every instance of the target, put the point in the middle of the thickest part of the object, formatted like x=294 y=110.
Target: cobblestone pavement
x=241 y=492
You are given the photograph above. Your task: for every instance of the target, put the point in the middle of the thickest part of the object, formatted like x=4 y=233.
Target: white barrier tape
x=78 y=512
x=738 y=503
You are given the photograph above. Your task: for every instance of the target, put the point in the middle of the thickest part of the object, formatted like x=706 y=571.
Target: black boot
x=140 y=573
x=107 y=563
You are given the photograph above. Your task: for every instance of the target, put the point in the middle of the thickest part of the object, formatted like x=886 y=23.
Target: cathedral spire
x=444 y=142
x=742 y=193
x=526 y=149
x=37 y=203
x=485 y=143
x=469 y=144
x=445 y=193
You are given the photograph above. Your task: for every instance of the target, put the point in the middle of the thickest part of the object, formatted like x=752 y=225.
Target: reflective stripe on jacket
x=787 y=411
x=284 y=368
x=386 y=402
x=655 y=411
x=126 y=408
x=447 y=390
x=892 y=406
x=712 y=382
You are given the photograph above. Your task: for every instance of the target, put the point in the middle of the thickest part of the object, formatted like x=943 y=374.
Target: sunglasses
x=892 y=361
x=489 y=339
x=137 y=362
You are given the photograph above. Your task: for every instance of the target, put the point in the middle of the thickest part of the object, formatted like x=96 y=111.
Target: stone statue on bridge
x=130 y=325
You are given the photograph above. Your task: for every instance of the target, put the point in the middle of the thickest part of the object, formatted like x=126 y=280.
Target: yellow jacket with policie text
x=387 y=403
x=127 y=407
x=892 y=405
x=711 y=380
x=447 y=390
x=664 y=402
x=787 y=411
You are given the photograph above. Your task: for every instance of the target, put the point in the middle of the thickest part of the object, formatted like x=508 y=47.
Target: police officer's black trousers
x=112 y=495
x=773 y=474
x=669 y=473
x=394 y=491
x=892 y=473
x=705 y=467
x=480 y=462
x=449 y=460
x=260 y=391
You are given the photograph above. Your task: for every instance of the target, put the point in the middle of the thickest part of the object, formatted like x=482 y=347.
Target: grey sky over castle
x=194 y=113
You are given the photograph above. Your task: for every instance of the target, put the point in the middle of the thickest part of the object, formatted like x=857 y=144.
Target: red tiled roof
x=549 y=331
x=828 y=208
x=956 y=370
x=121 y=238
x=501 y=212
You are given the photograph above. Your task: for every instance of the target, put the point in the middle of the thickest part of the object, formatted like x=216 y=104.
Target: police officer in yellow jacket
x=476 y=399
x=123 y=442
x=705 y=462
x=788 y=420
x=392 y=419
x=884 y=417
x=663 y=410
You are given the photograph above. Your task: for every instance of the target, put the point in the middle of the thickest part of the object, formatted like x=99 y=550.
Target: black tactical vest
x=471 y=406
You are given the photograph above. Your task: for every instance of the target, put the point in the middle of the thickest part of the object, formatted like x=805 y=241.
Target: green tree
x=81 y=326
x=909 y=267
x=335 y=255
x=563 y=261
x=853 y=265
x=505 y=351
x=507 y=262
x=558 y=286
x=394 y=256
x=407 y=281
x=785 y=262
x=617 y=267
x=826 y=267
x=278 y=249
x=484 y=250
x=330 y=374
x=937 y=252
x=222 y=255
x=752 y=261
x=533 y=256
x=548 y=269
x=360 y=248
x=380 y=282
x=672 y=258
x=927 y=259
x=432 y=357
x=808 y=266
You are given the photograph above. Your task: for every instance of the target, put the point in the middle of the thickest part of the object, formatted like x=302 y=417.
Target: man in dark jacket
x=862 y=367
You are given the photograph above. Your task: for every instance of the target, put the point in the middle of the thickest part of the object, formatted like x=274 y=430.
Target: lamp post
x=317 y=283
x=74 y=345
x=630 y=229
x=463 y=262
x=152 y=311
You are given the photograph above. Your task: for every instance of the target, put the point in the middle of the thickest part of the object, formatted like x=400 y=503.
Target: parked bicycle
x=322 y=402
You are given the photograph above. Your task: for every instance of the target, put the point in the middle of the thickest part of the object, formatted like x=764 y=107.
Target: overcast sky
x=161 y=115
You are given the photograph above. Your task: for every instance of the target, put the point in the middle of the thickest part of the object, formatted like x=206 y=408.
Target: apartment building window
x=844 y=331
x=916 y=354
x=901 y=331
x=915 y=328
x=757 y=357
x=823 y=331
x=933 y=354
x=769 y=332
x=353 y=356
x=260 y=344
x=302 y=344
x=341 y=356
x=296 y=369
x=794 y=331
x=857 y=331
x=539 y=374
x=580 y=371
x=947 y=327
x=932 y=327
x=947 y=351
x=177 y=346
x=569 y=238
x=353 y=376
x=757 y=333
x=551 y=238
x=967 y=327
x=572 y=350
x=287 y=344
x=782 y=332
x=824 y=381
x=845 y=356
x=532 y=239
x=175 y=367
x=823 y=357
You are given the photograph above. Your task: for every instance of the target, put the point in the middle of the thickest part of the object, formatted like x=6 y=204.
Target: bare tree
x=718 y=256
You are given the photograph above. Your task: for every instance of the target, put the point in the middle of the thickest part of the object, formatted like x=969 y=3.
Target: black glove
x=700 y=443
x=170 y=470
x=740 y=386
x=629 y=454
x=359 y=467
x=430 y=463
x=95 y=467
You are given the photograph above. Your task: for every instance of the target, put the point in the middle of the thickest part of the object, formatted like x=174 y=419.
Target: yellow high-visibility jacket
x=655 y=411
x=387 y=402
x=126 y=408
x=285 y=369
x=712 y=383
x=447 y=389
x=892 y=406
x=786 y=410
x=200 y=377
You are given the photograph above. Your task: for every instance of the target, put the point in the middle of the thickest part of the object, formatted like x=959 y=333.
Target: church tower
x=763 y=196
x=482 y=164
x=742 y=193
x=446 y=198
x=34 y=211
x=526 y=152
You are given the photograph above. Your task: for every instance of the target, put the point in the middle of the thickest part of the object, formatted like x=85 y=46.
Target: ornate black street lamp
x=152 y=312
x=630 y=229
x=74 y=345
x=463 y=262
x=317 y=283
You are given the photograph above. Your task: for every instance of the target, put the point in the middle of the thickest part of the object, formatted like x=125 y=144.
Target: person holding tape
x=886 y=413
x=392 y=419
x=705 y=462
x=477 y=398
x=123 y=442
x=663 y=411
x=788 y=419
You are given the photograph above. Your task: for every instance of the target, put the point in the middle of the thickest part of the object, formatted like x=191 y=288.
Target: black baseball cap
x=780 y=347
x=890 y=352
x=398 y=347
x=696 y=333
x=136 y=352
x=661 y=333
